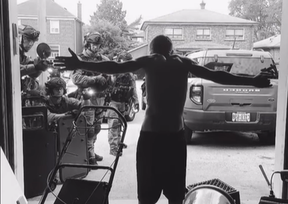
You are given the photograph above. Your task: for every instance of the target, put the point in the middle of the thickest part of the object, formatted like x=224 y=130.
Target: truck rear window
x=238 y=65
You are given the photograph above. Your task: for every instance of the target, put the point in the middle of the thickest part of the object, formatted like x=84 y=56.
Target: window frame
x=172 y=36
x=52 y=56
x=52 y=31
x=233 y=36
x=202 y=36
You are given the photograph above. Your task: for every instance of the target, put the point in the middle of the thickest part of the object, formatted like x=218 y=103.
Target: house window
x=174 y=33
x=232 y=34
x=203 y=34
x=54 y=27
x=55 y=51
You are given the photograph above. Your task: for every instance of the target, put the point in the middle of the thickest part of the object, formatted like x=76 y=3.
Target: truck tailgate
x=217 y=97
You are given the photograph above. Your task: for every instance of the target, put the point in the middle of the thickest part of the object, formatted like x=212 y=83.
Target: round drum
x=208 y=194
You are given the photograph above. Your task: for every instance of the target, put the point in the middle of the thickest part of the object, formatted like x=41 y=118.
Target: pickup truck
x=211 y=106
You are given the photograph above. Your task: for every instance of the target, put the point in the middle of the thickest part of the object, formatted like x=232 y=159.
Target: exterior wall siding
x=217 y=34
x=79 y=37
x=65 y=38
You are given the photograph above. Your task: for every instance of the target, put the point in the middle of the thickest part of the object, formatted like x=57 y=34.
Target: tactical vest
x=122 y=89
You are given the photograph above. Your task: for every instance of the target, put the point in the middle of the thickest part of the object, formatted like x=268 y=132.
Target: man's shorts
x=161 y=165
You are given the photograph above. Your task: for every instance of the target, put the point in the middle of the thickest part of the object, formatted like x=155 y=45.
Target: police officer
x=57 y=103
x=98 y=82
x=84 y=79
x=127 y=57
x=123 y=90
x=29 y=69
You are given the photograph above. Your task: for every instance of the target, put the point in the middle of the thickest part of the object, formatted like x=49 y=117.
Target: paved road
x=231 y=157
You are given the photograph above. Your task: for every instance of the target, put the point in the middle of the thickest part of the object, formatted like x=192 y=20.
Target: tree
x=266 y=12
x=111 y=10
x=113 y=41
x=109 y=20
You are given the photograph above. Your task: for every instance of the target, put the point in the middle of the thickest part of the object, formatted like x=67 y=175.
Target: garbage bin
x=39 y=150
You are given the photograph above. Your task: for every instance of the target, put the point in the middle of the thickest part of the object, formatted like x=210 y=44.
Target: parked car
x=210 y=106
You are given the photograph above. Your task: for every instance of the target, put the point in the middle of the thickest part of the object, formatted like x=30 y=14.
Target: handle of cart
x=99 y=112
x=271 y=199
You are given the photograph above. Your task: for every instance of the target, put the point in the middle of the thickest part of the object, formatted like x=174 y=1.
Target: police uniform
x=56 y=111
x=29 y=69
x=119 y=103
x=84 y=79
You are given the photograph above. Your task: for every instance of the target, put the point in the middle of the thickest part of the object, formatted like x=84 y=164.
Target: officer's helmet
x=93 y=37
x=29 y=32
x=125 y=57
x=55 y=82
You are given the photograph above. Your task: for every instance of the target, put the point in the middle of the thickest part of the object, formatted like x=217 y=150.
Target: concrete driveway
x=234 y=158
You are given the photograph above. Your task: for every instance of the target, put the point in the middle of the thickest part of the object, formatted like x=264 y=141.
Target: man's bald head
x=161 y=44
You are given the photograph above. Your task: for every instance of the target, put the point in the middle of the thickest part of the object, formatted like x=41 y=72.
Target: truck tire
x=267 y=138
x=188 y=134
x=143 y=104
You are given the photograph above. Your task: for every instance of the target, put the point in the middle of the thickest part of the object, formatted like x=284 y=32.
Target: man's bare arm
x=111 y=67
x=107 y=67
x=223 y=77
x=220 y=77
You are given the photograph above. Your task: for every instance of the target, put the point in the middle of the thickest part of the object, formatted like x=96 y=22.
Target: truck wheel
x=143 y=105
x=188 y=134
x=267 y=138
x=131 y=115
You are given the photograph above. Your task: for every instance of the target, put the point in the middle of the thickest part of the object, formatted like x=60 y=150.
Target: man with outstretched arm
x=162 y=138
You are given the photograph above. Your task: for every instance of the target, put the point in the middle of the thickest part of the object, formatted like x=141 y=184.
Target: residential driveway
x=231 y=157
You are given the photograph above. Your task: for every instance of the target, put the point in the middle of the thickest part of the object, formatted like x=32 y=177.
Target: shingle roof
x=29 y=8
x=273 y=41
x=190 y=16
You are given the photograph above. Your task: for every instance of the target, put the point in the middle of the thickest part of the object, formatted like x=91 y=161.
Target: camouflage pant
x=91 y=139
x=114 y=136
x=94 y=130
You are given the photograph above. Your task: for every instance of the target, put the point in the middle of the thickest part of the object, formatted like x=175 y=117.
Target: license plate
x=241 y=117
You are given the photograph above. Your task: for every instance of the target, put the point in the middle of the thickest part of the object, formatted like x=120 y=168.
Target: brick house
x=63 y=28
x=194 y=29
